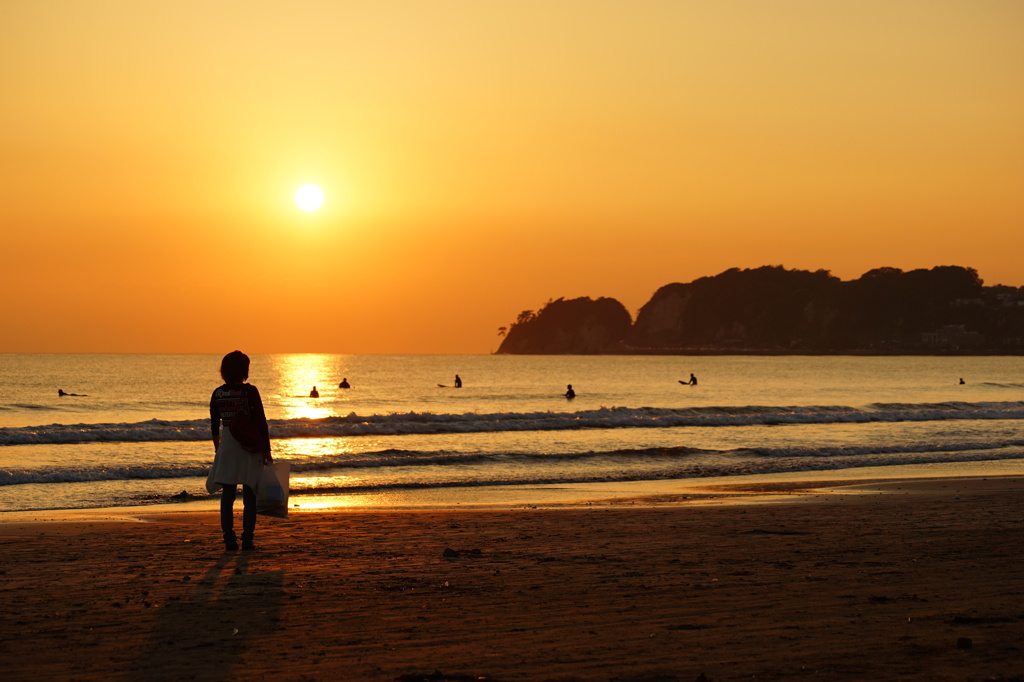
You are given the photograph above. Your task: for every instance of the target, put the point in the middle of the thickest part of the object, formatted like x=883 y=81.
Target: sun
x=309 y=198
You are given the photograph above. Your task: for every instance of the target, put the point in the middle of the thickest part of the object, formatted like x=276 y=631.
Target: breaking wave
x=605 y=418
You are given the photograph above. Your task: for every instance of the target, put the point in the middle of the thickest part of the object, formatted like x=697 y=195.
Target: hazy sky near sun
x=479 y=158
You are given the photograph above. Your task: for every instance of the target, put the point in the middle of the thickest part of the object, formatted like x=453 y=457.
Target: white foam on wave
x=82 y=475
x=415 y=423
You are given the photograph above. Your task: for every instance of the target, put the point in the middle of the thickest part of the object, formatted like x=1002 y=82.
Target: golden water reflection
x=331 y=446
x=317 y=482
x=297 y=377
x=319 y=503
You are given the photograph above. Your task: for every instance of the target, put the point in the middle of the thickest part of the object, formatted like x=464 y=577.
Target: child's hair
x=234 y=368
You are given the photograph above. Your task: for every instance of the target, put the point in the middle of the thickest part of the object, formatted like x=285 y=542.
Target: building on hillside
x=952 y=337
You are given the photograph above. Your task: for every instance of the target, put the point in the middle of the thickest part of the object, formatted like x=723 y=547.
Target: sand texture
x=919 y=583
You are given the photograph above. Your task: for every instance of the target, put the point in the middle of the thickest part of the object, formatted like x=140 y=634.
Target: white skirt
x=233 y=464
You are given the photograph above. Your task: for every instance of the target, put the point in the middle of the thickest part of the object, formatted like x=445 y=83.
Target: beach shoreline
x=745 y=489
x=897 y=579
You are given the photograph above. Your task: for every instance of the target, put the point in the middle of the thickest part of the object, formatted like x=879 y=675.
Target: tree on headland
x=525 y=317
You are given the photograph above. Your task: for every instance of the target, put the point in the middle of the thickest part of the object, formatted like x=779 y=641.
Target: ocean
x=135 y=429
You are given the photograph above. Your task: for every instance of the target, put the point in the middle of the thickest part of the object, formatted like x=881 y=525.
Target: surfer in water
x=61 y=393
x=344 y=383
x=570 y=394
x=314 y=393
x=458 y=381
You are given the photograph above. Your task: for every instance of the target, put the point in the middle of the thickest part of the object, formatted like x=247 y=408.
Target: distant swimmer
x=61 y=393
x=344 y=383
x=570 y=394
x=962 y=382
x=458 y=381
x=314 y=393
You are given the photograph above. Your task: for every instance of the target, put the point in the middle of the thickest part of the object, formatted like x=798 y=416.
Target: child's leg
x=227 y=520
x=248 y=515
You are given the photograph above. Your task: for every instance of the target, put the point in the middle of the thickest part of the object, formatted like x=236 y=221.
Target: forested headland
x=772 y=310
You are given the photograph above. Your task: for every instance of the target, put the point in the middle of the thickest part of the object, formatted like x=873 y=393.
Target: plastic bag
x=272 y=494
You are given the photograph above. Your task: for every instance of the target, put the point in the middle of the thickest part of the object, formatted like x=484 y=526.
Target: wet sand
x=916 y=580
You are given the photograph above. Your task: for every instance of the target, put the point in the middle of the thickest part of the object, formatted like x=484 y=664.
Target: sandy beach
x=878 y=580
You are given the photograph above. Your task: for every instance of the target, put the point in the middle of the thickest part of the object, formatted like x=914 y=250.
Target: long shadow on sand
x=209 y=634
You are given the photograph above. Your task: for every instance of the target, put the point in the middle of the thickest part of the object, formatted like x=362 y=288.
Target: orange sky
x=480 y=158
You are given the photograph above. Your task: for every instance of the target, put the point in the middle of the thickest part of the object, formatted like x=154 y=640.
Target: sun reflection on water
x=317 y=448
x=298 y=376
x=321 y=502
x=318 y=482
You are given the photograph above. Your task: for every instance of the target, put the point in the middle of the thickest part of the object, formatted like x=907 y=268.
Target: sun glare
x=309 y=198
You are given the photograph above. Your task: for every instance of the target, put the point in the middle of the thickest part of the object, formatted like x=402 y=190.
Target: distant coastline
x=944 y=311
x=816 y=353
x=769 y=352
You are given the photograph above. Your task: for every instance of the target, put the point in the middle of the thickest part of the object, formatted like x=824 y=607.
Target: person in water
x=314 y=393
x=237 y=401
x=458 y=381
x=570 y=394
x=962 y=382
x=693 y=379
x=344 y=383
